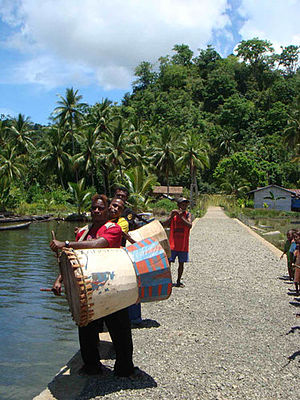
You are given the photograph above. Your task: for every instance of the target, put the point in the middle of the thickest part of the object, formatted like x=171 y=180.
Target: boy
x=297 y=262
x=180 y=222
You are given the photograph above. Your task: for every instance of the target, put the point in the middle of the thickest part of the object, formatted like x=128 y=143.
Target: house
x=174 y=191
x=277 y=198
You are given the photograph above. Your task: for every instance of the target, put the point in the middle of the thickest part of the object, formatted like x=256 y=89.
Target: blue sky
x=94 y=46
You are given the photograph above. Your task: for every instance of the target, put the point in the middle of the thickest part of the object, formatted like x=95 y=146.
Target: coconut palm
x=233 y=183
x=90 y=152
x=194 y=156
x=53 y=155
x=80 y=194
x=20 y=131
x=119 y=147
x=139 y=184
x=165 y=153
x=291 y=134
x=12 y=164
x=69 y=112
x=99 y=116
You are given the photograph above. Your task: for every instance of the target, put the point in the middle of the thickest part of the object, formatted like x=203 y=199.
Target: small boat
x=18 y=226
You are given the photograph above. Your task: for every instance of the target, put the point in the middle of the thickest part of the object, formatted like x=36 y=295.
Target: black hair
x=123 y=190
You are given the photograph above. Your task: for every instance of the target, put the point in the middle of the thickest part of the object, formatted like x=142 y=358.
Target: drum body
x=152 y=269
x=99 y=282
x=154 y=230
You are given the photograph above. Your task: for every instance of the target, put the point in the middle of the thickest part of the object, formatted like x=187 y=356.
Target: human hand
x=56 y=288
x=56 y=245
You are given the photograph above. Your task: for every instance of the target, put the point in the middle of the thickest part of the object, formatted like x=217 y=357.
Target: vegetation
x=210 y=124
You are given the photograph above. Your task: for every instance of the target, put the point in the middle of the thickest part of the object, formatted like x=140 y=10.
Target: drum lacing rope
x=83 y=279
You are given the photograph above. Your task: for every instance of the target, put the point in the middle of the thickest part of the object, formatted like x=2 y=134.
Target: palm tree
x=20 y=132
x=12 y=164
x=139 y=184
x=194 y=156
x=227 y=142
x=292 y=131
x=100 y=116
x=89 y=154
x=119 y=147
x=69 y=112
x=233 y=183
x=53 y=155
x=81 y=195
x=165 y=153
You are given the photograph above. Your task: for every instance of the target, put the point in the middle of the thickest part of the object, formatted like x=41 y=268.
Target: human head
x=182 y=203
x=116 y=208
x=99 y=208
x=290 y=234
x=297 y=237
x=121 y=193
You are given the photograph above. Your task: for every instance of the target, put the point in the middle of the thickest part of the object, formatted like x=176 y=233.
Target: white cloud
x=273 y=20
x=104 y=40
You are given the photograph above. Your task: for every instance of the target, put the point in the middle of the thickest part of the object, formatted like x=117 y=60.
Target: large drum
x=155 y=230
x=99 y=282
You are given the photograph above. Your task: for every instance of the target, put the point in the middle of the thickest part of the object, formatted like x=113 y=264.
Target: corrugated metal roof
x=164 y=189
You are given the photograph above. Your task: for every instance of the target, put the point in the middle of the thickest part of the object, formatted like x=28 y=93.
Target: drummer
x=101 y=234
x=121 y=193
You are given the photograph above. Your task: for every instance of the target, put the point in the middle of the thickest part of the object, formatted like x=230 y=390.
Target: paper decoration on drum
x=154 y=230
x=99 y=282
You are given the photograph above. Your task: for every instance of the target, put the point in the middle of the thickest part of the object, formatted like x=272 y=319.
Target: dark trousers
x=119 y=327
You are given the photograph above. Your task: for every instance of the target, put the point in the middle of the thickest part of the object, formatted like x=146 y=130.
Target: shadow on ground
x=69 y=385
x=146 y=323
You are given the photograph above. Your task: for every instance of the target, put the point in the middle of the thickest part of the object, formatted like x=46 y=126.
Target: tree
x=164 y=153
x=12 y=164
x=194 y=156
x=21 y=131
x=254 y=51
x=234 y=184
x=183 y=55
x=291 y=134
x=145 y=76
x=119 y=147
x=69 y=113
x=89 y=154
x=139 y=184
x=99 y=116
x=53 y=154
x=289 y=58
x=80 y=194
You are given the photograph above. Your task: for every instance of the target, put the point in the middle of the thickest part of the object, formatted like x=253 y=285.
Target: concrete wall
x=281 y=204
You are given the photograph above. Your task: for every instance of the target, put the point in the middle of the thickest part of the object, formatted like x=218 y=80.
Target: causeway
x=231 y=333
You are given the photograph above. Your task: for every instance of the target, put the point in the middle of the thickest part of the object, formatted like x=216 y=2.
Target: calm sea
x=37 y=334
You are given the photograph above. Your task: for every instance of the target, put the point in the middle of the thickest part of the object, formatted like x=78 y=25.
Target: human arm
x=187 y=219
x=167 y=222
x=99 y=243
x=56 y=288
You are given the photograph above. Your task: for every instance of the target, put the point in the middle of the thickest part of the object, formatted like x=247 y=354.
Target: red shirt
x=179 y=233
x=110 y=231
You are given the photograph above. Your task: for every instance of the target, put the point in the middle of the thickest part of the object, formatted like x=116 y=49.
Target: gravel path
x=231 y=333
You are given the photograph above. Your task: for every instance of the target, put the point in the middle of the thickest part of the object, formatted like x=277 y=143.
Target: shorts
x=183 y=256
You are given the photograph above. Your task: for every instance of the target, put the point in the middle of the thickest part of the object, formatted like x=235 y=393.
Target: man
x=180 y=222
x=115 y=211
x=123 y=194
x=135 y=312
x=101 y=234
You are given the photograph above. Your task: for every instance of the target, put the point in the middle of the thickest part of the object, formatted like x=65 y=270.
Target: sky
x=94 y=46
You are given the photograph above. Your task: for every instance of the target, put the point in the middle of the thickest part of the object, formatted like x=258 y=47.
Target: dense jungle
x=207 y=123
